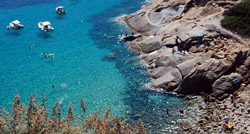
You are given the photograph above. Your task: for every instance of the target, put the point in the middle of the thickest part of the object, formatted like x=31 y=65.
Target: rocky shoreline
x=188 y=52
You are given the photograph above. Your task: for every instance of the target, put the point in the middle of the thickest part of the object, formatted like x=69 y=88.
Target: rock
x=219 y=55
x=151 y=44
x=138 y=21
x=243 y=54
x=247 y=62
x=207 y=55
x=160 y=71
x=225 y=95
x=168 y=81
x=186 y=66
x=224 y=84
x=170 y=41
x=149 y=58
x=202 y=77
x=155 y=17
x=170 y=60
x=200 y=121
x=193 y=49
x=186 y=125
x=208 y=11
x=132 y=37
x=136 y=47
x=180 y=131
x=231 y=59
x=200 y=48
x=242 y=100
x=243 y=70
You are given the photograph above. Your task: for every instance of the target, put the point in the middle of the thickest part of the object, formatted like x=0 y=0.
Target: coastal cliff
x=187 y=51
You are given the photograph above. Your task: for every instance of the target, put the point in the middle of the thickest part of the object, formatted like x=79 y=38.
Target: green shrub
x=237 y=19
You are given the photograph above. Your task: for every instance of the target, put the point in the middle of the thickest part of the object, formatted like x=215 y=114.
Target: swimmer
x=63 y=85
x=53 y=86
x=60 y=102
x=181 y=111
x=167 y=112
x=45 y=56
x=30 y=47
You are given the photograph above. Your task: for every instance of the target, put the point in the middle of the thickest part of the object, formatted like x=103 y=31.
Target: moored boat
x=45 y=26
x=60 y=10
x=16 y=24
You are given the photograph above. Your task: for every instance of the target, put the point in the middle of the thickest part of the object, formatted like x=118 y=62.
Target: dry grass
x=35 y=119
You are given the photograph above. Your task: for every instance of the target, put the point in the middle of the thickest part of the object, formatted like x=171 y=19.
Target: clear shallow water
x=81 y=42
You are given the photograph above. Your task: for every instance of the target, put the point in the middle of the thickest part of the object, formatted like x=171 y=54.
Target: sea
x=90 y=61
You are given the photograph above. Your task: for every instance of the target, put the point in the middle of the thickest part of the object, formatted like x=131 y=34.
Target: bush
x=35 y=119
x=237 y=19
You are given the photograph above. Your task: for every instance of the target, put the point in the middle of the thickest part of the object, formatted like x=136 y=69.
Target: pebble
x=211 y=117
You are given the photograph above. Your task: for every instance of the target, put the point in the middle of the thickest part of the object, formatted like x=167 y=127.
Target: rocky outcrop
x=216 y=65
x=200 y=77
x=186 y=66
x=169 y=60
x=169 y=41
x=202 y=66
x=169 y=80
x=138 y=21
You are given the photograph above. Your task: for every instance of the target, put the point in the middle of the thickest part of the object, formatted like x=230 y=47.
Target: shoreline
x=214 y=63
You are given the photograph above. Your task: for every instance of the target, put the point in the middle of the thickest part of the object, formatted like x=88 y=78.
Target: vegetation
x=237 y=19
x=35 y=119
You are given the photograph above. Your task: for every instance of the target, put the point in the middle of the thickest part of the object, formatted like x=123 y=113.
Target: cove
x=90 y=61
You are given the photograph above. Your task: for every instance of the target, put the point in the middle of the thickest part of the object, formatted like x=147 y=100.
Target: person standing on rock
x=184 y=49
x=173 y=50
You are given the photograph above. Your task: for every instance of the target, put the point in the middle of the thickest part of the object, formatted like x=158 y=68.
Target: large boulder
x=170 y=60
x=225 y=84
x=242 y=55
x=138 y=21
x=186 y=66
x=169 y=81
x=151 y=44
x=200 y=78
x=170 y=41
x=160 y=71
x=186 y=125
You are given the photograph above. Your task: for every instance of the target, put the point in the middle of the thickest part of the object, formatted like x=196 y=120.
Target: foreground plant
x=36 y=119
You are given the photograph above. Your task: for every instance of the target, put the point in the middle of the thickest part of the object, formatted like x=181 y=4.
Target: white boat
x=15 y=25
x=45 y=26
x=60 y=10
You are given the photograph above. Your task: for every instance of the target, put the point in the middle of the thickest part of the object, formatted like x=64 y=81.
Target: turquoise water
x=82 y=42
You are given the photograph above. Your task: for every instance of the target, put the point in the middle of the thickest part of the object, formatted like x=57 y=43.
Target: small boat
x=45 y=26
x=15 y=25
x=60 y=10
